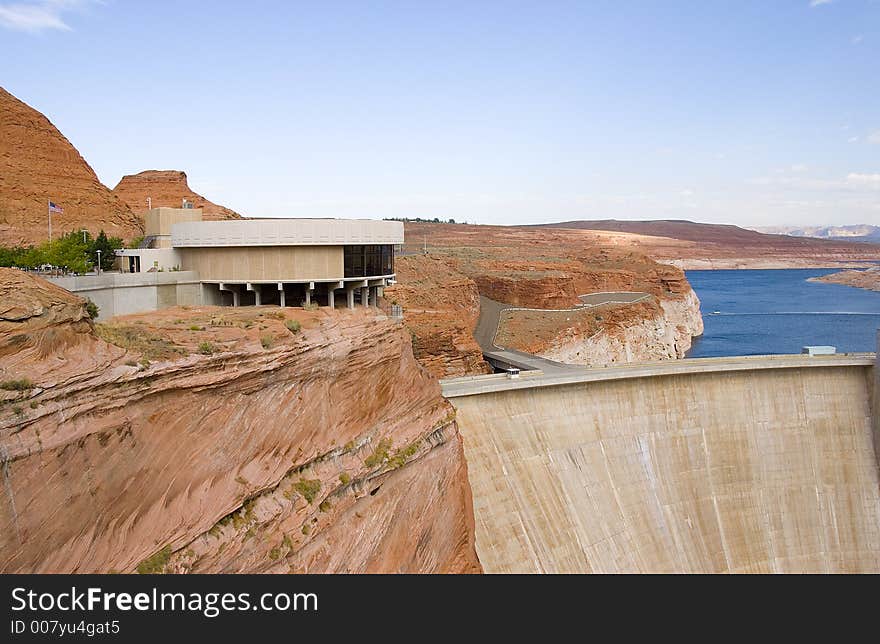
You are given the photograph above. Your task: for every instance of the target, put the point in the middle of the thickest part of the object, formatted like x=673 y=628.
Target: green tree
x=68 y=251
x=15 y=256
x=107 y=246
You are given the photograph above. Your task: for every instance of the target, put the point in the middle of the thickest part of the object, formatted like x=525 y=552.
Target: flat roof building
x=270 y=261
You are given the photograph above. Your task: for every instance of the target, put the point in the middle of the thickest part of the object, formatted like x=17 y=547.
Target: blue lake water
x=779 y=311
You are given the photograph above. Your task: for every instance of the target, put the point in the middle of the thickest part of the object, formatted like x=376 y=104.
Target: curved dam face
x=756 y=468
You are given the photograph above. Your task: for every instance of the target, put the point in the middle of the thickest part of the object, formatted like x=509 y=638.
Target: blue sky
x=748 y=112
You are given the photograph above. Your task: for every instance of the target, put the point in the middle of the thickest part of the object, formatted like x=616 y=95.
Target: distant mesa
x=166 y=188
x=726 y=234
x=857 y=233
x=674 y=229
x=38 y=164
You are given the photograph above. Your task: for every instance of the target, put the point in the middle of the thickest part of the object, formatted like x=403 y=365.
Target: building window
x=369 y=260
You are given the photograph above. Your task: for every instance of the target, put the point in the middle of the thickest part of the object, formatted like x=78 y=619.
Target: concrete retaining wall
x=749 y=470
x=124 y=293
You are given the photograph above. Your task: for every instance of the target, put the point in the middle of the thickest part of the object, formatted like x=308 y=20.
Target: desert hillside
x=37 y=165
x=691 y=245
x=218 y=440
x=166 y=188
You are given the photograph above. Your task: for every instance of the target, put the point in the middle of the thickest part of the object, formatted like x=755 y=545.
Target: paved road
x=487 y=325
x=620 y=297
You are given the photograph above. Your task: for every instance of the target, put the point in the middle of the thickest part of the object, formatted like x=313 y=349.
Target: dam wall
x=702 y=466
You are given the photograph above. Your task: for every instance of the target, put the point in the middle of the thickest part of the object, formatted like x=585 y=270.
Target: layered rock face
x=540 y=269
x=441 y=308
x=648 y=331
x=166 y=188
x=38 y=164
x=211 y=440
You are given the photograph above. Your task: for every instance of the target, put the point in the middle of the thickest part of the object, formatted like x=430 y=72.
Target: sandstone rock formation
x=166 y=188
x=541 y=269
x=647 y=331
x=868 y=279
x=441 y=309
x=212 y=440
x=38 y=164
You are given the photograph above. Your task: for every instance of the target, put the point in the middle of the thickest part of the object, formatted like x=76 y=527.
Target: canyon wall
x=643 y=332
x=441 y=307
x=440 y=289
x=689 y=470
x=38 y=164
x=166 y=188
x=211 y=440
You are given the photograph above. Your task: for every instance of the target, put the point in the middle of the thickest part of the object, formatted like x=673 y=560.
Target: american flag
x=55 y=208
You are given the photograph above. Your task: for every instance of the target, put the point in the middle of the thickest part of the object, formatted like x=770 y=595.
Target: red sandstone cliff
x=166 y=188
x=38 y=164
x=541 y=269
x=212 y=440
x=441 y=308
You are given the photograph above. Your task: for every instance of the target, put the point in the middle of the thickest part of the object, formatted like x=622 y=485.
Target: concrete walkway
x=475 y=385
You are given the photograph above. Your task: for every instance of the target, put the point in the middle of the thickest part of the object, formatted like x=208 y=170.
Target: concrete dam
x=739 y=465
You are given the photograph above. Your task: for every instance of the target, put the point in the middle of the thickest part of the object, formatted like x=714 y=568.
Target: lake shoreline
x=778 y=311
x=765 y=264
x=868 y=278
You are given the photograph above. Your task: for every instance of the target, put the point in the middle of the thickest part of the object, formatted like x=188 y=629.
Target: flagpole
x=49 y=210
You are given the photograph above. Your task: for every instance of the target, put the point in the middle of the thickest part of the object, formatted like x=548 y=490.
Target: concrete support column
x=350 y=296
x=365 y=295
x=256 y=290
x=308 y=296
x=331 y=299
x=281 y=300
x=236 y=298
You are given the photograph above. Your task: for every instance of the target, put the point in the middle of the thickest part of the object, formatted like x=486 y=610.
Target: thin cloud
x=853 y=182
x=868 y=180
x=874 y=137
x=819 y=3
x=35 y=16
x=857 y=39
